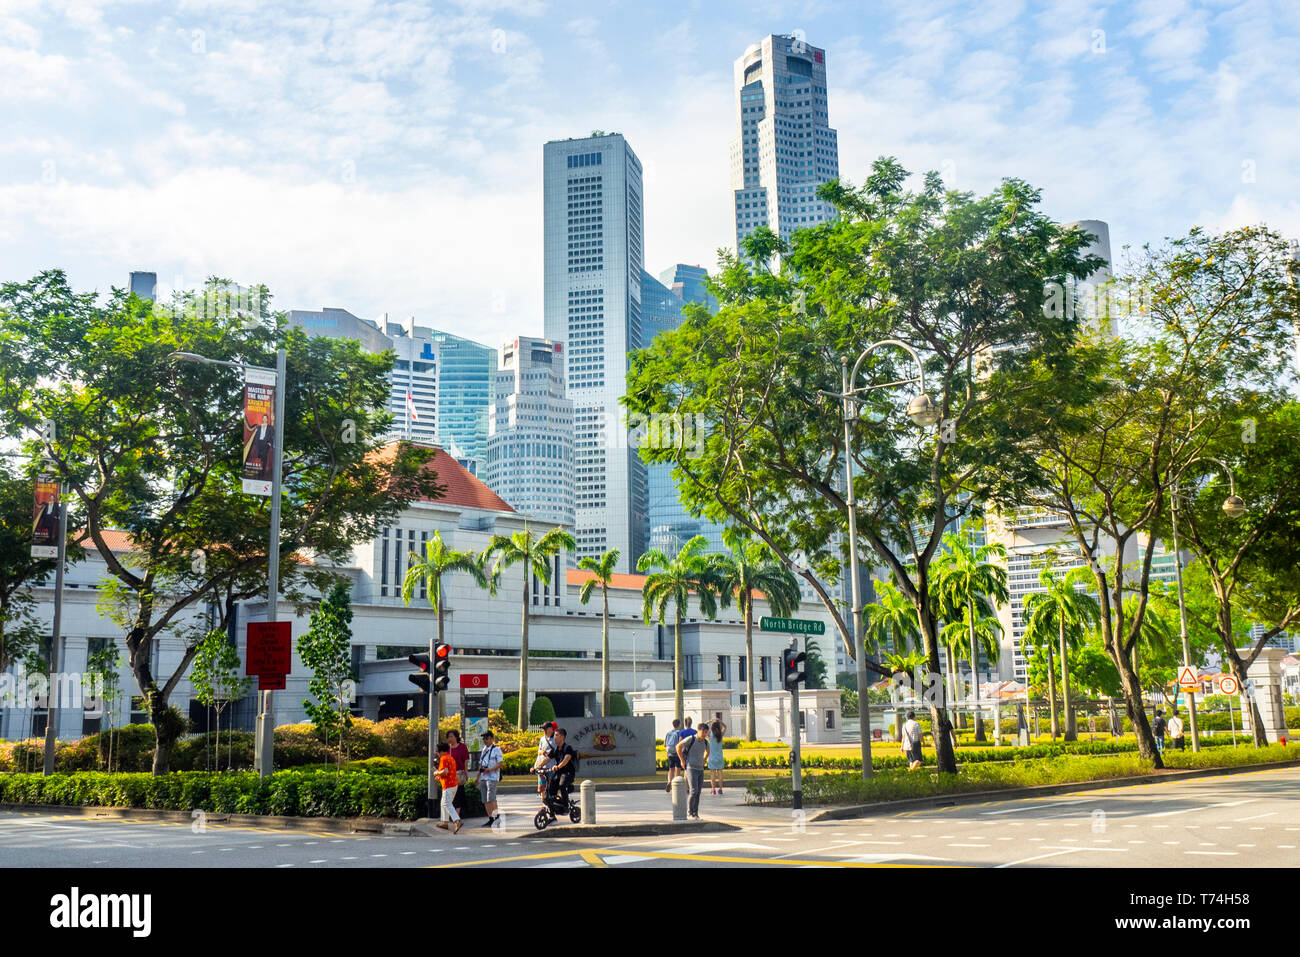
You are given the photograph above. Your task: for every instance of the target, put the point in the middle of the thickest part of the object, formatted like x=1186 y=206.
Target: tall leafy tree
x=751 y=567
x=427 y=572
x=326 y=648
x=602 y=576
x=1064 y=614
x=533 y=554
x=891 y=625
x=150 y=447
x=958 y=278
x=1205 y=322
x=968 y=586
x=673 y=581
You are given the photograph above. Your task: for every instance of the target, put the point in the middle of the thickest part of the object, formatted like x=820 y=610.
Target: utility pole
x=264 y=740
x=52 y=691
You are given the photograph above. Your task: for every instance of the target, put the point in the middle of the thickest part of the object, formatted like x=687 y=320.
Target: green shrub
x=618 y=706
x=510 y=708
x=541 y=712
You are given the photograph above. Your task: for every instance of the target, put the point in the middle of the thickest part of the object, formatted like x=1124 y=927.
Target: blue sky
x=386 y=157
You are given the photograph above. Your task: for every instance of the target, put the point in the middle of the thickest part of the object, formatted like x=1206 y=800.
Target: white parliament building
x=483 y=630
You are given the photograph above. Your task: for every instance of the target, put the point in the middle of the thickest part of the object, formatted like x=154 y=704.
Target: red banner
x=45 y=517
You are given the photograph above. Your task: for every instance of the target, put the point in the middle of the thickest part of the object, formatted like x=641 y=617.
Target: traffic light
x=791 y=659
x=421 y=678
x=441 y=667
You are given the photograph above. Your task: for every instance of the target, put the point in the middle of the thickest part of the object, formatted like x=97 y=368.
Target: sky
x=386 y=157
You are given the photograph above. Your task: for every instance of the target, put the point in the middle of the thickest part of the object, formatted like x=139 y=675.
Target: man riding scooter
x=560 y=780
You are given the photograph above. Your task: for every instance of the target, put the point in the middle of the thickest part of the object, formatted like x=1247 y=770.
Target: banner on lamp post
x=261 y=431
x=45 y=517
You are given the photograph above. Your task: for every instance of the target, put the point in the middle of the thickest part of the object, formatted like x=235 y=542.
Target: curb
x=348 y=824
x=1041 y=790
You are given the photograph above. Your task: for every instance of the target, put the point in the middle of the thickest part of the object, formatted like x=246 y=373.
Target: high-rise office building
x=529 y=459
x=593 y=242
x=784 y=147
x=144 y=285
x=670 y=525
x=440 y=386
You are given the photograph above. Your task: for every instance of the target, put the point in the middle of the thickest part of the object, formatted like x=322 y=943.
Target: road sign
x=268 y=648
x=1187 y=678
x=474 y=681
x=270 y=682
x=793 y=626
x=1228 y=685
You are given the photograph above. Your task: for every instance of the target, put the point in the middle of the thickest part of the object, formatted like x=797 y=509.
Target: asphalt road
x=1238 y=820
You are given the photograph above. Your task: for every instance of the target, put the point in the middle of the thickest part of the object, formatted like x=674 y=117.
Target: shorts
x=487 y=790
x=674 y=762
x=914 y=753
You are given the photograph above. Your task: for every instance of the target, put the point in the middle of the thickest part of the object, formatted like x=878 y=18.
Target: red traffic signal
x=790 y=673
x=441 y=667
x=425 y=664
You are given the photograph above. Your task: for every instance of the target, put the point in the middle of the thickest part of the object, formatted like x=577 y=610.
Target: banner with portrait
x=260 y=431
x=45 y=517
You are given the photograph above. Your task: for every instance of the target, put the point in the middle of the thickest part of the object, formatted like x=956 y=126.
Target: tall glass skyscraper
x=466 y=372
x=670 y=526
x=593 y=242
x=784 y=147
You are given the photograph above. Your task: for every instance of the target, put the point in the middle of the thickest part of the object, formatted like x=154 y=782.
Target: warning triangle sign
x=1187 y=676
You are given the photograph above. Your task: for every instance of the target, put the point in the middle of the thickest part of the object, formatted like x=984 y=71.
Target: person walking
x=460 y=754
x=1158 y=729
x=490 y=763
x=911 y=741
x=545 y=747
x=446 y=776
x=670 y=750
x=693 y=752
x=1176 y=729
x=716 y=760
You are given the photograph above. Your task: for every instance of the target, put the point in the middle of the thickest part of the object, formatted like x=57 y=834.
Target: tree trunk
x=679 y=704
x=166 y=729
x=952 y=686
x=604 y=655
x=750 y=710
x=1051 y=690
x=523 y=660
x=945 y=756
x=1137 y=715
x=1071 y=725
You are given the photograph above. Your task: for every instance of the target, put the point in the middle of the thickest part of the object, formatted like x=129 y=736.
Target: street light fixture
x=923 y=412
x=263 y=739
x=1234 y=507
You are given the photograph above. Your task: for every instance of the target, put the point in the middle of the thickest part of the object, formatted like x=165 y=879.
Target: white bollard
x=679 y=799
x=587 y=801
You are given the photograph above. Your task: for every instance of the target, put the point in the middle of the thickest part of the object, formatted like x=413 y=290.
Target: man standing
x=670 y=749
x=693 y=751
x=490 y=762
x=1176 y=729
x=912 y=741
x=1158 y=729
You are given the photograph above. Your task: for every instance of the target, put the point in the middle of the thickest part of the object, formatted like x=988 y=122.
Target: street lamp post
x=264 y=734
x=923 y=412
x=1234 y=507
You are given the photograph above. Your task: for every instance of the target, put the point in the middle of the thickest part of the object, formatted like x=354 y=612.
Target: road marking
x=1035 y=807
x=1039 y=857
x=320 y=861
x=710 y=858
x=1255 y=817
x=592 y=858
x=1214 y=853
x=970 y=845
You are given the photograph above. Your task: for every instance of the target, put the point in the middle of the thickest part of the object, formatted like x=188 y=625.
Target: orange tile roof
x=462 y=488
x=576 y=576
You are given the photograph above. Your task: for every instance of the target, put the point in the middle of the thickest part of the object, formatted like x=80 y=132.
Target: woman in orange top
x=447 y=778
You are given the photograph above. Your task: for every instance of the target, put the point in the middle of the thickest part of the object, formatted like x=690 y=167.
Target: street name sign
x=793 y=626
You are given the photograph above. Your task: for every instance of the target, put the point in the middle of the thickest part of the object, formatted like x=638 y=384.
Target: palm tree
x=976 y=626
x=891 y=623
x=964 y=578
x=1062 y=612
x=690 y=571
x=438 y=560
x=602 y=572
x=752 y=567
x=533 y=555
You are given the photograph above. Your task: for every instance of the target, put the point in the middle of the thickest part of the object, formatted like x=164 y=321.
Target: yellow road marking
x=506 y=860
x=592 y=858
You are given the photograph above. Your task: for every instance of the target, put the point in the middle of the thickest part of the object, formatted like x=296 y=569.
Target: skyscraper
x=144 y=285
x=593 y=241
x=529 y=460
x=670 y=526
x=784 y=147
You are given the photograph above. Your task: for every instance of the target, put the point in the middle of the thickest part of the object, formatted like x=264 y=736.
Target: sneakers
x=490 y=821
x=713 y=791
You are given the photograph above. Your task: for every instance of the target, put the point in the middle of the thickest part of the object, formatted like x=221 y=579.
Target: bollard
x=587 y=801
x=679 y=799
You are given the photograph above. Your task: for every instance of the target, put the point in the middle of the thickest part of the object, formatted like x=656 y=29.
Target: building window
x=762 y=669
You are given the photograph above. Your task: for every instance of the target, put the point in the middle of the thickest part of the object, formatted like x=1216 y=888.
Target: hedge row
x=286 y=793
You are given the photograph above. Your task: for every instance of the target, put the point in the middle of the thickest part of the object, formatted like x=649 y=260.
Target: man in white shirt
x=1176 y=730
x=490 y=762
x=912 y=741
